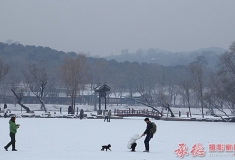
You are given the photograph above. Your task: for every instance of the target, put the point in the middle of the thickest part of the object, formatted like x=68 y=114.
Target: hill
x=19 y=56
x=167 y=58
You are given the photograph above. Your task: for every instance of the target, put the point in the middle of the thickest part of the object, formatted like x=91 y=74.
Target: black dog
x=106 y=147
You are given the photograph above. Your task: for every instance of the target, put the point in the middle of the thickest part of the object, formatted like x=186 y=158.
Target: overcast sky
x=104 y=27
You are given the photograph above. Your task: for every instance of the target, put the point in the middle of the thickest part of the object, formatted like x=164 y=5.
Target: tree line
x=43 y=72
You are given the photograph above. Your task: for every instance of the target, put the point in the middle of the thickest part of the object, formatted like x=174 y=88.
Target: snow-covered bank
x=64 y=108
x=54 y=112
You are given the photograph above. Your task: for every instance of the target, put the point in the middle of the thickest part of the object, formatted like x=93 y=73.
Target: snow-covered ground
x=196 y=112
x=73 y=139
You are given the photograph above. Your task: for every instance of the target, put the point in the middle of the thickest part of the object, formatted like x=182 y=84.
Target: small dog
x=106 y=147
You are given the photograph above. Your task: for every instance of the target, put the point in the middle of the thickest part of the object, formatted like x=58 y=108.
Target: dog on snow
x=106 y=147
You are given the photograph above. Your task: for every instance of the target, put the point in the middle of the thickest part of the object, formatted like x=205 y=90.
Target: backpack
x=154 y=128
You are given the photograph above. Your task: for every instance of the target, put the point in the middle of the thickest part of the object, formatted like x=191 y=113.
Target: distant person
x=179 y=113
x=105 y=115
x=81 y=114
x=13 y=129
x=161 y=113
x=132 y=142
x=5 y=105
x=70 y=110
x=187 y=114
x=148 y=133
x=5 y=110
x=109 y=115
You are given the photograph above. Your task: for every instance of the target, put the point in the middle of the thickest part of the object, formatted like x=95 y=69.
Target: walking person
x=148 y=134
x=106 y=115
x=13 y=130
x=109 y=115
x=5 y=110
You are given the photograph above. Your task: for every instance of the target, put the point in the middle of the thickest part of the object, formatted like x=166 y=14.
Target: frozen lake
x=73 y=139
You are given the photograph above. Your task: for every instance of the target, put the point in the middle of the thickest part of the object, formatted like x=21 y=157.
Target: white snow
x=73 y=139
x=196 y=112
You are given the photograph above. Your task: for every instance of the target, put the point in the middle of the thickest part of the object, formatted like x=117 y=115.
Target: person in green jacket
x=13 y=130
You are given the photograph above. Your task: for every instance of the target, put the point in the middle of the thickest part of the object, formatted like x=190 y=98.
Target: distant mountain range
x=18 y=55
x=167 y=58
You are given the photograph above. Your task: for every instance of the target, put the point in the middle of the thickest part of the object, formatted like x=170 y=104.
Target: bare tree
x=39 y=82
x=186 y=86
x=4 y=69
x=147 y=104
x=215 y=97
x=74 y=76
x=227 y=64
x=97 y=74
x=197 y=81
x=163 y=99
x=131 y=72
x=226 y=74
x=232 y=47
x=19 y=92
x=98 y=69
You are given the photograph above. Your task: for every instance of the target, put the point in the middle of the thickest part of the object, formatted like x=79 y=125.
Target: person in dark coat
x=5 y=105
x=81 y=114
x=109 y=115
x=106 y=116
x=5 y=110
x=148 y=134
x=13 y=130
x=70 y=110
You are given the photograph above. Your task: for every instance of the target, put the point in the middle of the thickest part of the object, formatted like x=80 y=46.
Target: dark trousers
x=12 y=142
x=146 y=142
x=133 y=146
x=106 y=118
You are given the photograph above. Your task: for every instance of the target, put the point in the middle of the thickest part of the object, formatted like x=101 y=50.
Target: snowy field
x=73 y=139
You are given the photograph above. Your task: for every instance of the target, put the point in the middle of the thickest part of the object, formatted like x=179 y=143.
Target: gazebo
x=102 y=89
